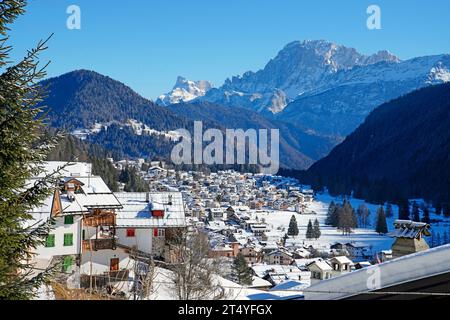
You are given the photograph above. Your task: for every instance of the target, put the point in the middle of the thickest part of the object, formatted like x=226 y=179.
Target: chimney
x=409 y=237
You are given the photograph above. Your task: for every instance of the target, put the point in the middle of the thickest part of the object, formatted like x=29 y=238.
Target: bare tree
x=147 y=283
x=195 y=274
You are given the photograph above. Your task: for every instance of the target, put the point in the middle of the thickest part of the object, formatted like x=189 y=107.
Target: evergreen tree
x=210 y=216
x=426 y=215
x=241 y=270
x=317 y=233
x=415 y=212
x=438 y=208
x=132 y=180
x=332 y=215
x=105 y=169
x=23 y=148
x=446 y=209
x=293 y=227
x=389 y=211
x=310 y=231
x=381 y=225
x=285 y=237
x=403 y=212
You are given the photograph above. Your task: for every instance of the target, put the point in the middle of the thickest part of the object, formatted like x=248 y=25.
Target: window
x=68 y=220
x=67 y=264
x=50 y=242
x=68 y=239
x=160 y=233
x=131 y=233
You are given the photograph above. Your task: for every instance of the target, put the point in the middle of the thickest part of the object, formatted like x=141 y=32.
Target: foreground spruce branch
x=22 y=151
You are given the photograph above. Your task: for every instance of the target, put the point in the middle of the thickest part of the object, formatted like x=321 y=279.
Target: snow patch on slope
x=138 y=127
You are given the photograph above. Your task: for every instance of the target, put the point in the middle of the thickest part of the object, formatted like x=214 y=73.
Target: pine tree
x=293 y=227
x=381 y=225
x=415 y=212
x=23 y=148
x=438 y=208
x=403 y=212
x=316 y=231
x=389 y=211
x=446 y=209
x=241 y=270
x=426 y=215
x=310 y=231
x=332 y=215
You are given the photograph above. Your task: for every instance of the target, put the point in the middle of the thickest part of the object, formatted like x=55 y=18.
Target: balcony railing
x=100 y=220
x=99 y=244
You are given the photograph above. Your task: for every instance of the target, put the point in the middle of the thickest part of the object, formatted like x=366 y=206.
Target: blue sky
x=147 y=43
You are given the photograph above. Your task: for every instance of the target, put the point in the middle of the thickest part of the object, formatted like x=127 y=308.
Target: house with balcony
x=83 y=208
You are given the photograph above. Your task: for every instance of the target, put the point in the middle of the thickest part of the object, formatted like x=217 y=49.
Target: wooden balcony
x=103 y=219
x=99 y=244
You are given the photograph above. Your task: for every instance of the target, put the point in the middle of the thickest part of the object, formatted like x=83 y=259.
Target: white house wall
x=142 y=239
x=101 y=261
x=59 y=230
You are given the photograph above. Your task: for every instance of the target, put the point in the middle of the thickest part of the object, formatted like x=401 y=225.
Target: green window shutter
x=50 y=242
x=68 y=219
x=68 y=239
x=67 y=264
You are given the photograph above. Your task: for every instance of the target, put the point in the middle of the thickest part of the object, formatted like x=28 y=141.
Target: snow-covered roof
x=342 y=260
x=291 y=285
x=136 y=211
x=72 y=169
x=409 y=229
x=404 y=269
x=321 y=264
x=93 y=184
x=258 y=283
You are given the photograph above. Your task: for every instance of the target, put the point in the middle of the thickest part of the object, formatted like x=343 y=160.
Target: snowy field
x=279 y=220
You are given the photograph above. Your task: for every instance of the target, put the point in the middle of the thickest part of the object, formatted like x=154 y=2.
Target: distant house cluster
x=98 y=234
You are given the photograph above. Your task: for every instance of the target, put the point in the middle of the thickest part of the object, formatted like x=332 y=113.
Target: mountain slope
x=298 y=149
x=338 y=107
x=110 y=114
x=326 y=87
x=105 y=112
x=401 y=150
x=298 y=68
x=82 y=98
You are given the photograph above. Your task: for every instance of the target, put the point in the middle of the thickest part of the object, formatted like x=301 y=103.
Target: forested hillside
x=402 y=150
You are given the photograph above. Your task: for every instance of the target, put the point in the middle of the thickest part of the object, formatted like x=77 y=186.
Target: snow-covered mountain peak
x=300 y=67
x=185 y=90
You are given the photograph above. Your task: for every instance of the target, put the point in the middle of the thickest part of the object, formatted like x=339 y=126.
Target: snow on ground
x=319 y=208
x=163 y=287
